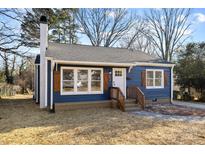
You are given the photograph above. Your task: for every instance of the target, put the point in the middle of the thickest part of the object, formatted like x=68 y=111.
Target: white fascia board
x=113 y=64
x=153 y=64
x=94 y=63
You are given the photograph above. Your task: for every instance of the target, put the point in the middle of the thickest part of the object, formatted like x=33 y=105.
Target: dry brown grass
x=21 y=122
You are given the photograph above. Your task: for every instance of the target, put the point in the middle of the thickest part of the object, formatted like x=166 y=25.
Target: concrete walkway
x=190 y=104
x=190 y=118
x=158 y=116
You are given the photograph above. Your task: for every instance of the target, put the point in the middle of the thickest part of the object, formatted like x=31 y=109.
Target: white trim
x=172 y=83
x=114 y=64
x=162 y=80
x=153 y=64
x=125 y=82
x=124 y=78
x=95 y=63
x=75 y=81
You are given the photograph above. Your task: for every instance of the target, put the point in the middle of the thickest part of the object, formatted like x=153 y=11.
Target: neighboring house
x=67 y=73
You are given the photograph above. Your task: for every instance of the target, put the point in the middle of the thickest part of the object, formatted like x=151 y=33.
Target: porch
x=134 y=100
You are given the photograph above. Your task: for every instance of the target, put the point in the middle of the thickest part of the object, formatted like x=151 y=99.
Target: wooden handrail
x=116 y=94
x=136 y=93
x=140 y=97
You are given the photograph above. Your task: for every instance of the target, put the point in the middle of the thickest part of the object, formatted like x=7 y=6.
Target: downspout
x=130 y=68
x=172 y=83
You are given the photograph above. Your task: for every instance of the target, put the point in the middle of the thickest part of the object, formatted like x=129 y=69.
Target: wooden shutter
x=56 y=81
x=165 y=79
x=106 y=81
x=143 y=78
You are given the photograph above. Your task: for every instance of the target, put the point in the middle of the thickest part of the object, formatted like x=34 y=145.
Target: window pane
x=150 y=74
x=158 y=74
x=68 y=86
x=95 y=74
x=150 y=82
x=118 y=73
x=158 y=82
x=68 y=74
x=82 y=74
x=82 y=86
x=95 y=86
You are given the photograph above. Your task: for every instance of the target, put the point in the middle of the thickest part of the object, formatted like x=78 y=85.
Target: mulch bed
x=178 y=110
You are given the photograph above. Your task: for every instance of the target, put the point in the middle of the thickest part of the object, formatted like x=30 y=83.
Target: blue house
x=77 y=74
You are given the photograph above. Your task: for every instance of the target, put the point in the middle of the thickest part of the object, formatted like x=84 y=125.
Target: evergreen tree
x=61 y=24
x=190 y=69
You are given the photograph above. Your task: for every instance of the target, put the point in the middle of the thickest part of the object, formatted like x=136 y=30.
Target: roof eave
x=153 y=64
x=94 y=63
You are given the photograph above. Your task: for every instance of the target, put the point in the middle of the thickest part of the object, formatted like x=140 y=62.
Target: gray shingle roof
x=86 y=53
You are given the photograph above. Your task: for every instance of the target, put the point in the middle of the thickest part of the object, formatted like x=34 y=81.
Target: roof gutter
x=94 y=63
x=153 y=64
x=112 y=64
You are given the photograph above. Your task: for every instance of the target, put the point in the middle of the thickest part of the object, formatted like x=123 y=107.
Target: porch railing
x=116 y=94
x=136 y=93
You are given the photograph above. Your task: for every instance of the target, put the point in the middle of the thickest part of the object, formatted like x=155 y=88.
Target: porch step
x=130 y=101
x=131 y=105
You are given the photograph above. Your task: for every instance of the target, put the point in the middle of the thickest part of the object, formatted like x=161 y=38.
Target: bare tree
x=167 y=30
x=10 y=42
x=104 y=26
x=136 y=39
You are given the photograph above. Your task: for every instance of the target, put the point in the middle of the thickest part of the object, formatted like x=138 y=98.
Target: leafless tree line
x=11 y=54
x=157 y=31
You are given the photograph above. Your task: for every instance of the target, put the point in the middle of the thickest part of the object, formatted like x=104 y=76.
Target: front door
x=119 y=79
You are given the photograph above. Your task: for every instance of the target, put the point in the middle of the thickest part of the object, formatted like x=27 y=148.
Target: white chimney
x=43 y=61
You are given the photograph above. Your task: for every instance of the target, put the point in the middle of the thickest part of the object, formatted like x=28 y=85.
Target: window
x=82 y=82
x=154 y=78
x=95 y=80
x=68 y=80
x=118 y=73
x=76 y=80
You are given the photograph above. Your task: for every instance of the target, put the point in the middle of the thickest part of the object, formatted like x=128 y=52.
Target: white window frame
x=154 y=74
x=75 y=92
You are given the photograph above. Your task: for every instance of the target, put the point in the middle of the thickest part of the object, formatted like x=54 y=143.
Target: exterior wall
x=134 y=78
x=58 y=98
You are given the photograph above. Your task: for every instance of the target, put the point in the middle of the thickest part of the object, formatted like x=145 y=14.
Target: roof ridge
x=88 y=45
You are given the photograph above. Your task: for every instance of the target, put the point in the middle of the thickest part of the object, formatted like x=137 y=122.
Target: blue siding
x=57 y=98
x=48 y=82
x=134 y=78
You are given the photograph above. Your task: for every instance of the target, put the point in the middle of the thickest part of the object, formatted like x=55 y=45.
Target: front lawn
x=22 y=122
